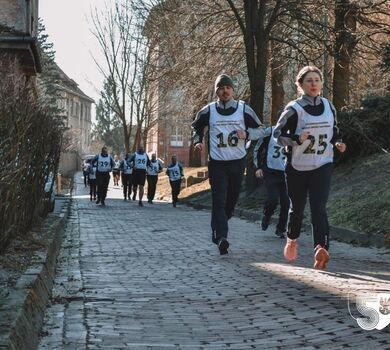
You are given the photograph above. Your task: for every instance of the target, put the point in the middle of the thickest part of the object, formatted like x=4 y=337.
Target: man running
x=269 y=160
x=127 y=170
x=230 y=123
x=141 y=161
x=175 y=173
x=105 y=163
x=153 y=170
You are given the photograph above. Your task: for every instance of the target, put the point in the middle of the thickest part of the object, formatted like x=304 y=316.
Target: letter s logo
x=372 y=317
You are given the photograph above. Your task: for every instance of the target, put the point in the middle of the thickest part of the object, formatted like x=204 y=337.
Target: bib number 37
x=232 y=140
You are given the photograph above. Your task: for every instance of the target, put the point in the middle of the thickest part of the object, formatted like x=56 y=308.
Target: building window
x=176 y=137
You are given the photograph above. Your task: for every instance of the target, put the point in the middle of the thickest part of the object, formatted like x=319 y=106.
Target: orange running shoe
x=291 y=249
x=321 y=258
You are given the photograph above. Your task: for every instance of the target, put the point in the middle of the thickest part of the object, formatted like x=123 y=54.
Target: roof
x=70 y=85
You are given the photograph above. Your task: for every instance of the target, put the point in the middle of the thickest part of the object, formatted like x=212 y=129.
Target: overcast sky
x=67 y=25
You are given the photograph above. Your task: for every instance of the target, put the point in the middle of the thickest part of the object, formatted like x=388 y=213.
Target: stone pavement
x=149 y=278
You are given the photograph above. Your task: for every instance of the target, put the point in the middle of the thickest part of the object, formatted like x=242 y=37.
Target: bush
x=30 y=139
x=365 y=130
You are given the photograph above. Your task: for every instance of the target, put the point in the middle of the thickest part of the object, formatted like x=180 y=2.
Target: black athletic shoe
x=279 y=233
x=134 y=198
x=140 y=204
x=98 y=201
x=103 y=204
x=223 y=246
x=125 y=199
x=265 y=222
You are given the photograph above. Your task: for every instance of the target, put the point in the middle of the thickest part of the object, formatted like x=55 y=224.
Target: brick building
x=170 y=133
x=18 y=34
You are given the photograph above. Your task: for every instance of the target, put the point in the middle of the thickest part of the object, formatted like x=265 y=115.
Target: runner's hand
x=341 y=146
x=259 y=173
x=199 y=146
x=303 y=137
x=241 y=134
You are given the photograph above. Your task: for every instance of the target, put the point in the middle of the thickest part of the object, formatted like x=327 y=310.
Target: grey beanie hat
x=223 y=80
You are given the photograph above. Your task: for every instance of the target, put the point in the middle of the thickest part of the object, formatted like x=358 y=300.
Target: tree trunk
x=345 y=28
x=126 y=136
x=276 y=83
x=195 y=157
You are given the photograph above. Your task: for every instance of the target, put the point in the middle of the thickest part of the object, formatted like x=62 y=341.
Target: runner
x=175 y=173
x=92 y=180
x=115 y=171
x=126 y=168
x=230 y=123
x=141 y=161
x=308 y=127
x=105 y=164
x=85 y=167
x=269 y=160
x=154 y=168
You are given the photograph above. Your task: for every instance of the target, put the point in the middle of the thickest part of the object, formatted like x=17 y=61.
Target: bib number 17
x=232 y=140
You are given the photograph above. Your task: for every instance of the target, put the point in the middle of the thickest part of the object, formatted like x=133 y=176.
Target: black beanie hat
x=223 y=80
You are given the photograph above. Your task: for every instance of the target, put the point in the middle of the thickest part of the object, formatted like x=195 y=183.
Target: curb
x=20 y=330
x=339 y=234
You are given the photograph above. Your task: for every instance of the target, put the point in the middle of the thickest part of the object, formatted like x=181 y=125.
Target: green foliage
x=48 y=81
x=365 y=130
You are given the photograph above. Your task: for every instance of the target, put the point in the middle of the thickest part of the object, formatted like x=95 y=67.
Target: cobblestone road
x=149 y=278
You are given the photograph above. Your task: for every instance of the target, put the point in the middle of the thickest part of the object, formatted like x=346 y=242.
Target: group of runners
x=134 y=170
x=294 y=157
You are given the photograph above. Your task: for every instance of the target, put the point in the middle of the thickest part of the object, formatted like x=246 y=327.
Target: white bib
x=92 y=173
x=104 y=164
x=317 y=150
x=224 y=142
x=153 y=168
x=276 y=156
x=117 y=163
x=140 y=161
x=174 y=172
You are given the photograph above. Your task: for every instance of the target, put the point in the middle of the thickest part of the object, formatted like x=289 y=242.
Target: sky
x=68 y=26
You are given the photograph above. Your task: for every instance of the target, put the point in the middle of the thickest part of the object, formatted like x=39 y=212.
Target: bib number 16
x=232 y=140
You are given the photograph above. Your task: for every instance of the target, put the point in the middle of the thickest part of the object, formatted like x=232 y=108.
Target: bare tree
x=119 y=32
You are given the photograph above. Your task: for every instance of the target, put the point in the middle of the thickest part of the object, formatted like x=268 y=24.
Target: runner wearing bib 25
x=308 y=127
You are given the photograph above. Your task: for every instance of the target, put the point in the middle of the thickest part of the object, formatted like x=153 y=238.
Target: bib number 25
x=321 y=147
x=232 y=140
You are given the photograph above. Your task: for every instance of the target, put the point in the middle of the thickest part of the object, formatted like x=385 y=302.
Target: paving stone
x=149 y=278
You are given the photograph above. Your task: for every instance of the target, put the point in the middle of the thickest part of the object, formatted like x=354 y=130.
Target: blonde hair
x=302 y=73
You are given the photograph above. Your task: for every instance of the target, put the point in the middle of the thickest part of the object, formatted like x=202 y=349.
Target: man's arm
x=198 y=125
x=254 y=127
